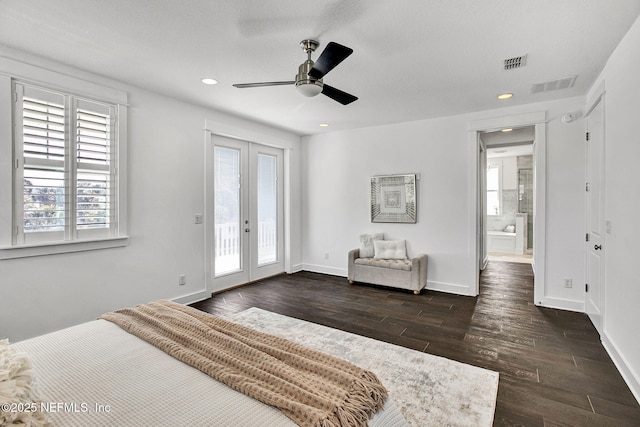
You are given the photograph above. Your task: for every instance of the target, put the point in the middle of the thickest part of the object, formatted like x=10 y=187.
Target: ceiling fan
x=309 y=78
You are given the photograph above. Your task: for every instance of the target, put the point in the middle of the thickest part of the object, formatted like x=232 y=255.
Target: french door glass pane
x=267 y=209
x=227 y=210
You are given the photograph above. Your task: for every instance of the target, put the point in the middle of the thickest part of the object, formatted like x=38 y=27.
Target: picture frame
x=393 y=199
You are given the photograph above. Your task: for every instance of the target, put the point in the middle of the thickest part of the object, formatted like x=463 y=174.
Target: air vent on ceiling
x=515 y=62
x=554 y=85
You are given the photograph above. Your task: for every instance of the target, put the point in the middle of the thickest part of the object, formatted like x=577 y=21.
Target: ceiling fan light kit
x=308 y=81
x=309 y=88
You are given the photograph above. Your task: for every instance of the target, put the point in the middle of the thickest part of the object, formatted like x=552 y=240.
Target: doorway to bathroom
x=509 y=193
x=479 y=130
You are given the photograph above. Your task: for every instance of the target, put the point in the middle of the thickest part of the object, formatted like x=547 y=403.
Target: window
x=67 y=193
x=494 y=190
x=64 y=170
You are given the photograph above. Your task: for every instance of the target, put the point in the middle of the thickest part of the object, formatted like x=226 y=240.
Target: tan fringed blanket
x=310 y=387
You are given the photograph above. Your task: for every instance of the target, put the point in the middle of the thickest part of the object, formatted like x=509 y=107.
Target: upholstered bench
x=408 y=274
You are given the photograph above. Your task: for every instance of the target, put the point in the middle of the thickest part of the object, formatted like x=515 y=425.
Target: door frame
x=483 y=253
x=476 y=225
x=213 y=128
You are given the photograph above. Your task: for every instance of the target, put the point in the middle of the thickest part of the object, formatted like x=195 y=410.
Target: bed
x=97 y=374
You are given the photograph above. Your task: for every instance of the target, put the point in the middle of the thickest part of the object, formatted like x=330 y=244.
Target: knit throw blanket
x=312 y=388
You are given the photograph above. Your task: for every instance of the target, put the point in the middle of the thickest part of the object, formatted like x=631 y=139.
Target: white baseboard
x=450 y=288
x=296 y=268
x=626 y=370
x=194 y=297
x=562 y=304
x=334 y=271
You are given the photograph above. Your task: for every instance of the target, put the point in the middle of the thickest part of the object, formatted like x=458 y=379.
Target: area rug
x=429 y=390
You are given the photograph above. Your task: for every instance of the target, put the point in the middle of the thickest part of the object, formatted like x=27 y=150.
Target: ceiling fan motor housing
x=307 y=85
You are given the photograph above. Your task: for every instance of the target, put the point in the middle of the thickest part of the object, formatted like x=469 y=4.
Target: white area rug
x=429 y=390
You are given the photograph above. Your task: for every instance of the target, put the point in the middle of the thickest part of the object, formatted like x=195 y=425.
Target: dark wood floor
x=553 y=368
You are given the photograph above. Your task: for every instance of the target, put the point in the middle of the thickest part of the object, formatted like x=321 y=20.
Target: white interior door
x=247 y=212
x=594 y=289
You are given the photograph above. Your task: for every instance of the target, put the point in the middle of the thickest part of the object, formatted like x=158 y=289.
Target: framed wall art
x=393 y=199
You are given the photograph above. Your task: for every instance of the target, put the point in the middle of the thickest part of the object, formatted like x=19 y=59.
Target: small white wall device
x=568 y=118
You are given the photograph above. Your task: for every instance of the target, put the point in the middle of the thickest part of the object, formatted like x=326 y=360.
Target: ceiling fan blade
x=343 y=98
x=246 y=85
x=331 y=56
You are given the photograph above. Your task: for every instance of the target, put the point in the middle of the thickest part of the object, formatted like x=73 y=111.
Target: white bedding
x=96 y=374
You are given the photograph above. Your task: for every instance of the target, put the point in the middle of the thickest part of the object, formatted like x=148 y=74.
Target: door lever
x=597 y=247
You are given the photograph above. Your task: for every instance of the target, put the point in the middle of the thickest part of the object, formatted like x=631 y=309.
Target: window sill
x=24 y=251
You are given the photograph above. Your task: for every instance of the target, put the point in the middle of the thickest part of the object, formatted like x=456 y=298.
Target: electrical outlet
x=182 y=280
x=198 y=218
x=326 y=255
x=568 y=283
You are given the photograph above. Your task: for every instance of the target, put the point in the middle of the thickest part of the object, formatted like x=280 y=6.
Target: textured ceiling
x=413 y=59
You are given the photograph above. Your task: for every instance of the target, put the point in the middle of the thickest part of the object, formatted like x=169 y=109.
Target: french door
x=247 y=218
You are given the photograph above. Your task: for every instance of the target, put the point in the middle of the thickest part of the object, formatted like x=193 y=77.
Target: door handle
x=597 y=247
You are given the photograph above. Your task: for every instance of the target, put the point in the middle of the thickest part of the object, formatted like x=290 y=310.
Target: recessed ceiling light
x=324 y=125
x=507 y=130
x=505 y=95
x=209 y=81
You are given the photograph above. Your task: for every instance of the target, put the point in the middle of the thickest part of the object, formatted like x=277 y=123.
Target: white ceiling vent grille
x=554 y=85
x=515 y=62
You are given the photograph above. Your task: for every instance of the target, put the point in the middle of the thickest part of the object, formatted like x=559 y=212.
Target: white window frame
x=11 y=159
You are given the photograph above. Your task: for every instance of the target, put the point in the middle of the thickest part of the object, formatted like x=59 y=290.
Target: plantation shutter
x=67 y=175
x=44 y=188
x=94 y=183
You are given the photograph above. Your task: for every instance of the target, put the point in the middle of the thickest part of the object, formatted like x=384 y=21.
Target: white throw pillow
x=390 y=249
x=366 y=244
x=17 y=387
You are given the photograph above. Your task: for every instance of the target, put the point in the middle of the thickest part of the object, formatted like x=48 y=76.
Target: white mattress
x=96 y=374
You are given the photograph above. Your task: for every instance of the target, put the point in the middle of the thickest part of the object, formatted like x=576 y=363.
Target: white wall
x=336 y=196
x=166 y=189
x=621 y=78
